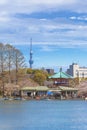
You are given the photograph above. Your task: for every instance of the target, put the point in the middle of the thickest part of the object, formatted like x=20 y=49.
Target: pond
x=43 y=115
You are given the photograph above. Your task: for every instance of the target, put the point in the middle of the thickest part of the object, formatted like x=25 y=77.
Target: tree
x=19 y=62
x=2 y=64
x=9 y=59
x=73 y=82
x=29 y=71
x=39 y=76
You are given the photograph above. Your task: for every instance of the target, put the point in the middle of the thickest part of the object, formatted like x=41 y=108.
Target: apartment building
x=76 y=71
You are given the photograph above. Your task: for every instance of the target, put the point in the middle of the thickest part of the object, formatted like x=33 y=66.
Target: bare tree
x=2 y=64
x=9 y=59
x=19 y=62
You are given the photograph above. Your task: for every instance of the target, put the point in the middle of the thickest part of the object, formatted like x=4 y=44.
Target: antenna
x=30 y=44
x=31 y=54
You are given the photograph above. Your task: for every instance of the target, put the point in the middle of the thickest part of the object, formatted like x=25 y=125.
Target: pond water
x=43 y=115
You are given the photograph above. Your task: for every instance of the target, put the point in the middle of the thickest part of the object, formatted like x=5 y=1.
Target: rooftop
x=61 y=75
x=64 y=88
x=37 y=88
x=45 y=88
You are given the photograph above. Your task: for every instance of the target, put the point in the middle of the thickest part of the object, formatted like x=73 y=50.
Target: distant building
x=75 y=71
x=50 y=71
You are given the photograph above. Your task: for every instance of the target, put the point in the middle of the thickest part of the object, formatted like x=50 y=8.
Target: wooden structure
x=43 y=92
x=34 y=91
x=61 y=85
x=61 y=79
x=68 y=92
x=62 y=92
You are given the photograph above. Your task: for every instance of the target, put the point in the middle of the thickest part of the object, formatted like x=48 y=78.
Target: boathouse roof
x=64 y=88
x=37 y=88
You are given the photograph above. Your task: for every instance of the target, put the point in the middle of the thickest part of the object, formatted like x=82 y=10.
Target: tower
x=31 y=53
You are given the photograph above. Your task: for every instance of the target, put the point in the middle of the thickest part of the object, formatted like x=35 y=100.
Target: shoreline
x=35 y=99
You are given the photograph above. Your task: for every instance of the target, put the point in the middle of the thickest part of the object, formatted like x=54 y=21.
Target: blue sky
x=58 y=29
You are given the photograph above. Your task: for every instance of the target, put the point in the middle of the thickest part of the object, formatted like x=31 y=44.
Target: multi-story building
x=76 y=71
x=50 y=71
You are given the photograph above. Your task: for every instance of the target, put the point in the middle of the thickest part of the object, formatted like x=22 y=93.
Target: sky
x=58 y=29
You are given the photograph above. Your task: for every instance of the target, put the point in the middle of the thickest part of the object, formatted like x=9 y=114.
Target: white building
x=76 y=71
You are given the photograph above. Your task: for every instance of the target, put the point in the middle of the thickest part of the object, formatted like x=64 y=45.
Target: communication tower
x=31 y=54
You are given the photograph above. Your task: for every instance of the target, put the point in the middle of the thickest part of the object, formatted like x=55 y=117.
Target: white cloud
x=49 y=48
x=73 y=17
x=29 y=6
x=2 y=2
x=20 y=31
x=43 y=31
x=4 y=17
x=79 y=18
